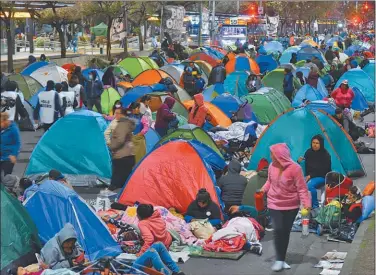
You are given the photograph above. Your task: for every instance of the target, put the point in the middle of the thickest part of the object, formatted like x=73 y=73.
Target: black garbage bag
x=345 y=232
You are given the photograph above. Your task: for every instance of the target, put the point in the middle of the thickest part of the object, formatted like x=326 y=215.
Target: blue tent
x=33 y=67
x=370 y=70
x=320 y=83
x=235 y=83
x=151 y=139
x=359 y=102
x=137 y=92
x=353 y=48
x=75 y=146
x=287 y=54
x=86 y=72
x=213 y=91
x=230 y=104
x=331 y=41
x=54 y=205
x=266 y=63
x=308 y=52
x=296 y=128
x=325 y=106
x=273 y=47
x=214 y=52
x=358 y=78
x=306 y=92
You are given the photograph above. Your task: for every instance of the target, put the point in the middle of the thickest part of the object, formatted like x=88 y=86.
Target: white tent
x=50 y=72
x=175 y=71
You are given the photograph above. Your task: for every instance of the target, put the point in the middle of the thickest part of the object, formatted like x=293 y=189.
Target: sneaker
x=278 y=266
x=269 y=228
x=256 y=249
x=286 y=266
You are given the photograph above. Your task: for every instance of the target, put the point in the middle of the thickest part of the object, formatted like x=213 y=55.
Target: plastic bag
x=202 y=229
x=368 y=205
x=345 y=232
x=369 y=189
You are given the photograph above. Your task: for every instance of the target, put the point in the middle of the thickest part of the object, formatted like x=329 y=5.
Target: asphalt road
x=303 y=253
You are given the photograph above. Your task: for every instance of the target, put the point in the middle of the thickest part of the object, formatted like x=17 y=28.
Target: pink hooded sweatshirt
x=285 y=190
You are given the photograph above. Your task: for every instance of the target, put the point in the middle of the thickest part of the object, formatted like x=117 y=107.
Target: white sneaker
x=286 y=266
x=278 y=266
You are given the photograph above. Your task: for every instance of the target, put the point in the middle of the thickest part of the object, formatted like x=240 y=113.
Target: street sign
x=260 y=10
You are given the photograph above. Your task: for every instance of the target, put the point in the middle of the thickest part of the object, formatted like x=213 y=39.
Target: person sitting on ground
x=352 y=204
x=347 y=124
x=27 y=188
x=165 y=117
x=294 y=58
x=111 y=127
x=199 y=112
x=63 y=250
x=232 y=185
x=301 y=78
x=152 y=227
x=343 y=95
x=203 y=208
x=313 y=77
x=317 y=165
x=58 y=176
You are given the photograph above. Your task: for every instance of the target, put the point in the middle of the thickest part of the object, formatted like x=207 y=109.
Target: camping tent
x=242 y=63
x=33 y=67
x=85 y=73
x=307 y=92
x=359 y=102
x=217 y=117
x=211 y=59
x=19 y=235
x=230 y=104
x=123 y=87
x=134 y=65
x=309 y=42
x=326 y=106
x=189 y=132
x=54 y=205
x=150 y=61
x=212 y=91
x=118 y=70
x=321 y=87
x=173 y=173
x=213 y=51
x=308 y=52
x=274 y=79
x=203 y=67
x=175 y=70
x=235 y=83
x=75 y=146
x=50 y=72
x=273 y=47
x=287 y=54
x=297 y=127
x=99 y=30
x=369 y=69
x=267 y=104
x=266 y=63
x=150 y=77
x=358 y=78
x=108 y=98
x=27 y=124
x=26 y=84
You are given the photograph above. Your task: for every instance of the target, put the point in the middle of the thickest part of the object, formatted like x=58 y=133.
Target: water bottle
x=305 y=222
x=259 y=200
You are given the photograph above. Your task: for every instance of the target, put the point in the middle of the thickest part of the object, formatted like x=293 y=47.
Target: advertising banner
x=172 y=21
x=272 y=25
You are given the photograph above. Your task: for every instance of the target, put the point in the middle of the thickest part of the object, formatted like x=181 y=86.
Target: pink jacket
x=285 y=190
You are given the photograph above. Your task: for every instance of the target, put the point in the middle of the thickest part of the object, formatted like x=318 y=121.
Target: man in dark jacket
x=217 y=74
x=189 y=82
x=288 y=84
x=94 y=89
x=232 y=185
x=329 y=55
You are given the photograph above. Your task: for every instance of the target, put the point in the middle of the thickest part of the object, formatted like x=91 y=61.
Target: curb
x=355 y=246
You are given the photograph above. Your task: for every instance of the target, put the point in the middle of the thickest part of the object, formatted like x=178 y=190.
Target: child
x=352 y=204
x=152 y=227
x=200 y=83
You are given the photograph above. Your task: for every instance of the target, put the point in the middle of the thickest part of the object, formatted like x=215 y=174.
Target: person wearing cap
x=58 y=176
x=343 y=95
x=203 y=208
x=10 y=144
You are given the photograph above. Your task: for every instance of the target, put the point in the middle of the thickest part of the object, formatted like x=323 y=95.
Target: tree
x=111 y=10
x=59 y=18
x=7 y=15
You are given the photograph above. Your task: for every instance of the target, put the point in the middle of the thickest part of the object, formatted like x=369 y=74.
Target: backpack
x=329 y=216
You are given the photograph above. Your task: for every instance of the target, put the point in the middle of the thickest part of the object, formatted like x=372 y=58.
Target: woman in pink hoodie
x=285 y=189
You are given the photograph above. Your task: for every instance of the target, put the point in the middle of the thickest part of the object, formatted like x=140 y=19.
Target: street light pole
x=200 y=25
x=213 y=22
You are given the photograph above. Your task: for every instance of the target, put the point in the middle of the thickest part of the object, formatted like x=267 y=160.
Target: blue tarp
x=358 y=78
x=75 y=146
x=33 y=67
x=320 y=83
x=286 y=55
x=266 y=63
x=55 y=205
x=307 y=92
x=273 y=47
x=235 y=84
x=308 y=52
x=369 y=69
x=297 y=127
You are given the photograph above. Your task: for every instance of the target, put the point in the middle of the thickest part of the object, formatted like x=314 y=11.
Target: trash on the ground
x=334 y=256
x=329 y=265
x=330 y=272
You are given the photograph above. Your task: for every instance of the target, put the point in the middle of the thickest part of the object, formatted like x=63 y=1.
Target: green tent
x=189 y=132
x=19 y=235
x=118 y=70
x=108 y=98
x=134 y=65
x=274 y=79
x=99 y=30
x=267 y=104
x=255 y=183
x=26 y=84
x=150 y=61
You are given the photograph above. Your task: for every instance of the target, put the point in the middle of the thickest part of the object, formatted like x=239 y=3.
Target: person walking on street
x=17 y=109
x=48 y=108
x=285 y=189
x=10 y=144
x=94 y=89
x=78 y=89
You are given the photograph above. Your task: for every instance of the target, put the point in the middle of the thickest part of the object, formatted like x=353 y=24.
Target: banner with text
x=272 y=25
x=172 y=21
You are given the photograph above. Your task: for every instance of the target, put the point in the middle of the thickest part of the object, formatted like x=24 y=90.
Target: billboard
x=172 y=21
x=272 y=25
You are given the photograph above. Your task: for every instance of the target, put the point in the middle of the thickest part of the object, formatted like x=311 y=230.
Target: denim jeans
x=157 y=257
x=314 y=184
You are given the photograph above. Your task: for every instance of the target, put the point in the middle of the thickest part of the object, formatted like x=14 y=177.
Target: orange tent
x=150 y=77
x=69 y=67
x=242 y=63
x=217 y=117
x=205 y=57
